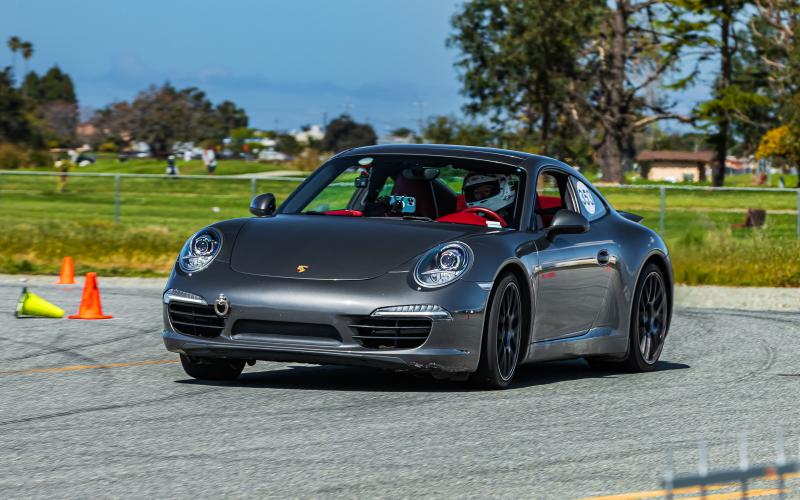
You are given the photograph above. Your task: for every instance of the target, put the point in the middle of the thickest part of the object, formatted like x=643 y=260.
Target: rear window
x=591 y=205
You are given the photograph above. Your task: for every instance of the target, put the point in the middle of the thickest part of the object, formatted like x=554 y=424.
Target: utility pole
x=421 y=123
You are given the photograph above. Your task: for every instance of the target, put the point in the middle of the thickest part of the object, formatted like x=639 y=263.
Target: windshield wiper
x=416 y=217
x=314 y=212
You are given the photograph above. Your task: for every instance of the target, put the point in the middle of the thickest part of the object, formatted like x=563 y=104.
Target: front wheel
x=211 y=369
x=502 y=340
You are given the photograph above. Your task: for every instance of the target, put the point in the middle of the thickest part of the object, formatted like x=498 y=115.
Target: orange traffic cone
x=90 y=307
x=67 y=272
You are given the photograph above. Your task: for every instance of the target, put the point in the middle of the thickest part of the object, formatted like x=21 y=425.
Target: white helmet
x=492 y=191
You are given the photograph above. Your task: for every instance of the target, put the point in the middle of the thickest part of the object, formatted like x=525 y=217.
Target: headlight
x=443 y=265
x=200 y=250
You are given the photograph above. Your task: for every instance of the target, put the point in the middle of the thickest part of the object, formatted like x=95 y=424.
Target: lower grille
x=310 y=331
x=197 y=320
x=392 y=333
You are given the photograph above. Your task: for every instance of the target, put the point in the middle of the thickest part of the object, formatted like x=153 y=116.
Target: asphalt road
x=99 y=408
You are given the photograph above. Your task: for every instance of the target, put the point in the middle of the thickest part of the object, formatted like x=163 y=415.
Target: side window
x=552 y=195
x=386 y=190
x=590 y=204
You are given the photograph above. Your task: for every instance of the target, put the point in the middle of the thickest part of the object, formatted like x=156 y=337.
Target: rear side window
x=552 y=194
x=592 y=207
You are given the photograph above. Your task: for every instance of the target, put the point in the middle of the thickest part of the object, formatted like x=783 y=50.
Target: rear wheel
x=211 y=369
x=502 y=340
x=648 y=328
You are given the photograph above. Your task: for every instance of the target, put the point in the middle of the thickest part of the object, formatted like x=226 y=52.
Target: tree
x=287 y=144
x=27 y=52
x=721 y=16
x=635 y=46
x=517 y=58
x=773 y=35
x=55 y=85
x=162 y=116
x=344 y=133
x=572 y=68
x=783 y=144
x=14 y=123
x=112 y=125
x=55 y=105
x=14 y=43
x=402 y=132
x=772 y=32
x=450 y=130
x=231 y=117
x=60 y=121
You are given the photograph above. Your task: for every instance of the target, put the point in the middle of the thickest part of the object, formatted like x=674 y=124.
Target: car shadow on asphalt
x=343 y=378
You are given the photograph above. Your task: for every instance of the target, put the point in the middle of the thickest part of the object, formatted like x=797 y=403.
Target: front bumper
x=452 y=346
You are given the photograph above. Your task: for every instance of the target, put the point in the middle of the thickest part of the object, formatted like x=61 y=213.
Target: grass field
x=157 y=215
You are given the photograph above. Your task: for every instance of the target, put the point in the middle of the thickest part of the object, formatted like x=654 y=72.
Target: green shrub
x=40 y=158
x=12 y=157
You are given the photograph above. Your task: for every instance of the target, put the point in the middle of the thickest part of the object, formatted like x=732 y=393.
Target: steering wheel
x=487 y=214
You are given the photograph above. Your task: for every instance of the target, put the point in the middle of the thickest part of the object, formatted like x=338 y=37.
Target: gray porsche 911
x=460 y=262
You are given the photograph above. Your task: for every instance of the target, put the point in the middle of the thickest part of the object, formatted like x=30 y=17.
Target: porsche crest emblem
x=302 y=269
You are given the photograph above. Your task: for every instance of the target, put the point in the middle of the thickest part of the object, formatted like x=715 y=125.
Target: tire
x=648 y=328
x=211 y=369
x=502 y=338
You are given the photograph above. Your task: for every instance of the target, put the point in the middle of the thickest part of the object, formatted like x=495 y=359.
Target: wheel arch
x=661 y=261
x=517 y=269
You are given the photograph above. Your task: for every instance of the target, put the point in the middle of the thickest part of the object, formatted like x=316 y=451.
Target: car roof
x=515 y=158
x=528 y=161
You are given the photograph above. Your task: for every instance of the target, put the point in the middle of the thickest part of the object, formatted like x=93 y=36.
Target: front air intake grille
x=195 y=319
x=392 y=333
x=310 y=331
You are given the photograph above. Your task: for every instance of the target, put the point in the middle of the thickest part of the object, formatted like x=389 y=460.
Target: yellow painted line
x=738 y=494
x=75 y=368
x=637 y=495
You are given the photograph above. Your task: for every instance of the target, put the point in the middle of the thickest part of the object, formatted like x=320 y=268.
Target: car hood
x=333 y=247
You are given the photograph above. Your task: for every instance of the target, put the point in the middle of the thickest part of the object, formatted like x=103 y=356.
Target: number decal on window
x=586 y=198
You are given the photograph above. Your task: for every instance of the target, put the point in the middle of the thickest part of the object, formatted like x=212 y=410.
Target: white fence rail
x=118 y=177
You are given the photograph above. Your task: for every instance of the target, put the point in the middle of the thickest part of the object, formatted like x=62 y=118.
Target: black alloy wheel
x=648 y=327
x=508 y=332
x=652 y=317
x=502 y=340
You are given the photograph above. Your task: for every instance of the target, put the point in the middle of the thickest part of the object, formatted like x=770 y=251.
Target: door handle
x=602 y=257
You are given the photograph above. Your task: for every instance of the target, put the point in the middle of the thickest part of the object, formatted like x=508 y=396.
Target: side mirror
x=567 y=222
x=263 y=205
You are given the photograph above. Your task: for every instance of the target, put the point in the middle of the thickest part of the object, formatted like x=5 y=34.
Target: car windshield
x=437 y=189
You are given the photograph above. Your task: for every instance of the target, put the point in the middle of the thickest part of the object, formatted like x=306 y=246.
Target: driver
x=492 y=191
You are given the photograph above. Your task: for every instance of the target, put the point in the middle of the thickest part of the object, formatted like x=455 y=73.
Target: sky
x=287 y=62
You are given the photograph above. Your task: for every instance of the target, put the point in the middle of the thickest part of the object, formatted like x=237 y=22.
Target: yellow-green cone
x=31 y=304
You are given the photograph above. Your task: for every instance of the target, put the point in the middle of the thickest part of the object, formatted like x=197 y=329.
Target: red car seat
x=551 y=204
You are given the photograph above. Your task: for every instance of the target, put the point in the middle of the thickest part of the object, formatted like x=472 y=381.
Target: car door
x=571 y=278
